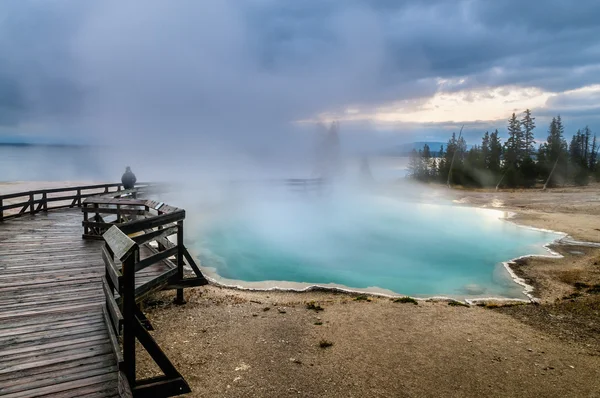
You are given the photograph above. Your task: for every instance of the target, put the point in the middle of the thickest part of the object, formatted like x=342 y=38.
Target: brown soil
x=267 y=344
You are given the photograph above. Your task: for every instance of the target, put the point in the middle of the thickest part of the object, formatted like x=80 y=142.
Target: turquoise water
x=406 y=248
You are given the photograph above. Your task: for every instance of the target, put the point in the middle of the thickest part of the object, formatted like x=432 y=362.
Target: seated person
x=128 y=178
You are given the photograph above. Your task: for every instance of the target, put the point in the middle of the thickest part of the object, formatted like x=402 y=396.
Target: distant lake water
x=52 y=163
x=77 y=163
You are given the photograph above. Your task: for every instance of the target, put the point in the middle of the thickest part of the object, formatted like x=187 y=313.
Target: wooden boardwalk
x=53 y=337
x=66 y=301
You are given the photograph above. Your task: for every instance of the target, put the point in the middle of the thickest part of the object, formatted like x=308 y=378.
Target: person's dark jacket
x=128 y=179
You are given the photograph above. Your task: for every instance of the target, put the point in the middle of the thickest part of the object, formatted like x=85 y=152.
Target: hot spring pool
x=370 y=244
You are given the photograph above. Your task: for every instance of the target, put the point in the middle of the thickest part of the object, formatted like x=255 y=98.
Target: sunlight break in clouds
x=482 y=104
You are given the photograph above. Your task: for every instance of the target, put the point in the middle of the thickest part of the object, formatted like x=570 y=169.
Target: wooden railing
x=32 y=202
x=133 y=245
x=124 y=317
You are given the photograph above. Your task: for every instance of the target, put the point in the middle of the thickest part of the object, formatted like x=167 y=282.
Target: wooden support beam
x=154 y=284
x=108 y=210
x=153 y=222
x=185 y=283
x=96 y=224
x=192 y=263
x=155 y=235
x=180 y=249
x=92 y=236
x=159 y=357
x=155 y=258
x=162 y=387
x=145 y=321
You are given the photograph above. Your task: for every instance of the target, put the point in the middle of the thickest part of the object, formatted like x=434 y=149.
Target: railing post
x=180 y=299
x=85 y=220
x=31 y=208
x=1 y=211
x=128 y=294
x=45 y=201
x=78 y=197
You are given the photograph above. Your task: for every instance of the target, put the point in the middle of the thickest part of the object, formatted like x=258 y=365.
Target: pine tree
x=472 y=172
x=582 y=156
x=593 y=156
x=495 y=160
x=587 y=133
x=485 y=151
x=441 y=165
x=541 y=159
x=426 y=163
x=414 y=164
x=513 y=154
x=556 y=152
x=528 y=124
x=451 y=148
x=578 y=158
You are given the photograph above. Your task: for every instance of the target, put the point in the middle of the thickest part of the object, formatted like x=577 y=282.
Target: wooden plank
x=10 y=274
x=53 y=310
x=99 y=200
x=192 y=263
x=168 y=209
x=32 y=353
x=102 y=360
x=106 y=210
x=155 y=235
x=120 y=244
x=154 y=284
x=111 y=269
x=17 y=323
x=69 y=387
x=92 y=237
x=41 y=301
x=166 y=243
x=103 y=225
x=113 y=308
x=148 y=223
x=185 y=283
x=32 y=383
x=162 y=387
x=55 y=358
x=123 y=386
x=45 y=327
x=114 y=342
x=146 y=262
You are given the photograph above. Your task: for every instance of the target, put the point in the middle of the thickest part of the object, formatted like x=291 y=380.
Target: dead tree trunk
x=501 y=178
x=550 y=176
x=453 y=157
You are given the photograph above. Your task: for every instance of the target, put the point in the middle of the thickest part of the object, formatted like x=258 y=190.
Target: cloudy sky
x=257 y=73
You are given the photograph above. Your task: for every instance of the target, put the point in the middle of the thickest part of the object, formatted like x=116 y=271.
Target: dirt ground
x=232 y=343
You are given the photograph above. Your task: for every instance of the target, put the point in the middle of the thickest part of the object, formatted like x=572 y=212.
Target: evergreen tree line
x=513 y=163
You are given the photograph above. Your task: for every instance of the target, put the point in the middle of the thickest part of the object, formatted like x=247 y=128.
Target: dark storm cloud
x=240 y=71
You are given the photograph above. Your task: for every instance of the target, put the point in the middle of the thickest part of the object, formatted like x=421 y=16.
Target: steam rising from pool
x=367 y=242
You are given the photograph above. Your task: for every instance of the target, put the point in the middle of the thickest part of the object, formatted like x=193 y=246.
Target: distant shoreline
x=28 y=144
